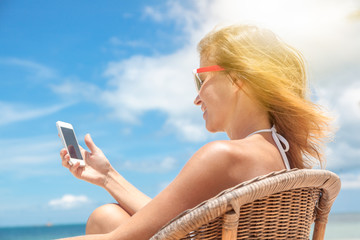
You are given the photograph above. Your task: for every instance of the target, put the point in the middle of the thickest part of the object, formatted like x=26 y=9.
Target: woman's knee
x=105 y=219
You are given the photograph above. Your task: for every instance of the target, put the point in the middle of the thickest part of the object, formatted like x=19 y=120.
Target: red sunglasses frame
x=212 y=68
x=198 y=81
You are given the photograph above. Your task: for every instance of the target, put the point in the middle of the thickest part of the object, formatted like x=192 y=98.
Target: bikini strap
x=278 y=140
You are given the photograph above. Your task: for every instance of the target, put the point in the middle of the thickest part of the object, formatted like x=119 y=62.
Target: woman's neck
x=245 y=129
x=241 y=125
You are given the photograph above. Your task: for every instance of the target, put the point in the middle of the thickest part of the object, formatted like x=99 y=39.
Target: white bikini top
x=278 y=140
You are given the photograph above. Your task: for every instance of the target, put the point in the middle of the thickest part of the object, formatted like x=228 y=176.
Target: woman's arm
x=99 y=171
x=128 y=196
x=204 y=176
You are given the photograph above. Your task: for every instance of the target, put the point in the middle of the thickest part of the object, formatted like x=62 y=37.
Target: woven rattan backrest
x=280 y=205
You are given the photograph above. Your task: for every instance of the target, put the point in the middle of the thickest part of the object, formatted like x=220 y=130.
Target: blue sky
x=121 y=70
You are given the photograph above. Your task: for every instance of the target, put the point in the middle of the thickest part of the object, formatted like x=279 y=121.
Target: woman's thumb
x=90 y=144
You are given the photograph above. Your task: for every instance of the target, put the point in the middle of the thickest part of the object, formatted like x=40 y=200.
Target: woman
x=252 y=86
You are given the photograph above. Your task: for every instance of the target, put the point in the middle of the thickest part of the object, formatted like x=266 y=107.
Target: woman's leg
x=106 y=218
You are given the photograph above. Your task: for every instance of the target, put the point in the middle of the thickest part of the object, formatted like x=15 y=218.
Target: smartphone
x=68 y=138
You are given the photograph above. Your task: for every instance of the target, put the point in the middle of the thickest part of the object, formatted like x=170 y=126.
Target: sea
x=340 y=227
x=41 y=232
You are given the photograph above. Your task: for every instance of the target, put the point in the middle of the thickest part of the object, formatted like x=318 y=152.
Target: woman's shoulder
x=245 y=158
x=227 y=151
x=232 y=148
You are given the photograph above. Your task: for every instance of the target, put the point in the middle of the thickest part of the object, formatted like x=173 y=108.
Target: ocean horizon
x=341 y=226
x=42 y=232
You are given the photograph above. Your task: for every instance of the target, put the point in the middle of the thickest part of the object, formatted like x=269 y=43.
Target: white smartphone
x=68 y=138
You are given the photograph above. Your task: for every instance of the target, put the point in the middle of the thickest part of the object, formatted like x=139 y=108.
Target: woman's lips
x=203 y=108
x=205 y=112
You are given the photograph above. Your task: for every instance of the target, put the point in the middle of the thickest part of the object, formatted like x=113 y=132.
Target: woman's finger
x=65 y=160
x=63 y=152
x=90 y=143
x=74 y=167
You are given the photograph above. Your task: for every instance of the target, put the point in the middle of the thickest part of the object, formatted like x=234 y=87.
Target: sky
x=122 y=71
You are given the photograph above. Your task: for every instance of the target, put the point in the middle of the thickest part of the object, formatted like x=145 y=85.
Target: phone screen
x=71 y=143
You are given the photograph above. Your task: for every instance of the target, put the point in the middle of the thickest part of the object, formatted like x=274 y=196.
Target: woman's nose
x=197 y=100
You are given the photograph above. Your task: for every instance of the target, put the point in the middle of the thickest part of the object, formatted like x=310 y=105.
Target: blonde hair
x=274 y=74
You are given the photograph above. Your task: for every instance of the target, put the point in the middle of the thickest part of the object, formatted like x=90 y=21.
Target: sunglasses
x=198 y=81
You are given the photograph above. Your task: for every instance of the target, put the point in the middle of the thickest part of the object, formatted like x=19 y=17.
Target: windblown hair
x=273 y=73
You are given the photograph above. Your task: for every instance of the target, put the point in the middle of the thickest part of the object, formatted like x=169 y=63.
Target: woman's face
x=217 y=98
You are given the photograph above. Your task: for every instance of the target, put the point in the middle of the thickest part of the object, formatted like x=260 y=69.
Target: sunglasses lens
x=198 y=82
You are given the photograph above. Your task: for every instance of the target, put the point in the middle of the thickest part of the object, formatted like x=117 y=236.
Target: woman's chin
x=212 y=131
x=210 y=128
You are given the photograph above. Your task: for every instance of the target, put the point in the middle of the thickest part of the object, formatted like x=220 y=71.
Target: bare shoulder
x=218 y=158
x=220 y=153
x=226 y=150
x=238 y=160
x=216 y=149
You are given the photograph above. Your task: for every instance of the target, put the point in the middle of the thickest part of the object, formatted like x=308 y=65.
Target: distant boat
x=49 y=224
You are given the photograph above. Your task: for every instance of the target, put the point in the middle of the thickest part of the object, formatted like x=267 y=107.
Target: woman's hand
x=97 y=166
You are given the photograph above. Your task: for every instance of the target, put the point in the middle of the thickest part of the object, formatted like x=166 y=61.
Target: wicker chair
x=280 y=205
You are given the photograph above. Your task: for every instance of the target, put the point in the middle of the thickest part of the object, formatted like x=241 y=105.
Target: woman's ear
x=236 y=81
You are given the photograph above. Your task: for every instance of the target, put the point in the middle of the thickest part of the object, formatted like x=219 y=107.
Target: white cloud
x=115 y=41
x=33 y=156
x=39 y=71
x=188 y=15
x=348 y=104
x=161 y=83
x=69 y=201
x=343 y=156
x=153 y=14
x=187 y=129
x=150 y=165
x=344 y=103
x=350 y=181
x=73 y=90
x=11 y=112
